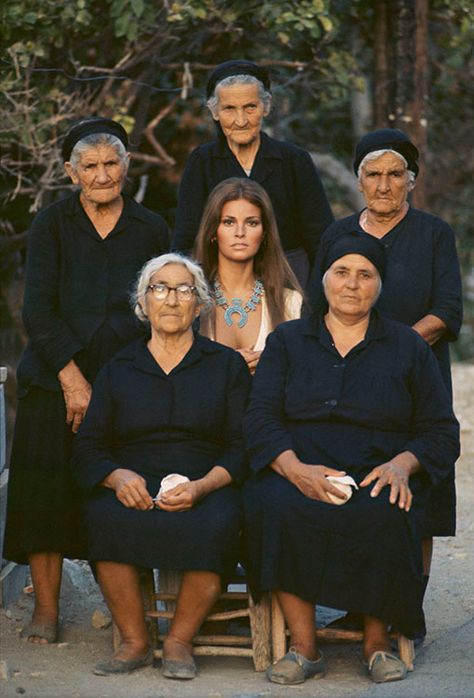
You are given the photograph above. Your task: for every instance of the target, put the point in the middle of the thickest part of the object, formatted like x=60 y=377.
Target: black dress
x=289 y=177
x=353 y=413
x=76 y=307
x=422 y=277
x=154 y=423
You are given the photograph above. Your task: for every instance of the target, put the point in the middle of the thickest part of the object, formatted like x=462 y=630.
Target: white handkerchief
x=169 y=482
x=345 y=483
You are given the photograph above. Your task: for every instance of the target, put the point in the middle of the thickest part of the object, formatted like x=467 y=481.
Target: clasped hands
x=130 y=489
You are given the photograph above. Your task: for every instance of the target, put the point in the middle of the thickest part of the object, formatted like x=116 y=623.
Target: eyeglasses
x=184 y=292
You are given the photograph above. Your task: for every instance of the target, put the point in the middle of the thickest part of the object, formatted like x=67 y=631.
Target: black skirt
x=44 y=502
x=363 y=556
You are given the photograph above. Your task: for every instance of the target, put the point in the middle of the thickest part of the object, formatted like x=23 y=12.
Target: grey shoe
x=174 y=669
x=293 y=669
x=122 y=666
x=383 y=667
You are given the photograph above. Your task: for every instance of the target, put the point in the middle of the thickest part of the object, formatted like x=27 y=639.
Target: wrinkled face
x=351 y=286
x=384 y=184
x=240 y=112
x=240 y=231
x=100 y=174
x=171 y=315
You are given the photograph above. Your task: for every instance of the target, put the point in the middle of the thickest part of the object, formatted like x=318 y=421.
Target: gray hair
x=203 y=296
x=92 y=141
x=379 y=289
x=375 y=154
x=264 y=95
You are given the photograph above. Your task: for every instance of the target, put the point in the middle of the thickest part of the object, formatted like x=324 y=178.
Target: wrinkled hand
x=251 y=358
x=77 y=401
x=311 y=480
x=397 y=477
x=130 y=489
x=181 y=498
x=77 y=393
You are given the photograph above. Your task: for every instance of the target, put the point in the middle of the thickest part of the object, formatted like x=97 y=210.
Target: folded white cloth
x=169 y=482
x=345 y=483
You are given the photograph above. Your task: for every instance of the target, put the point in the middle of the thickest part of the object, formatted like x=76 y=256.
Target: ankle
x=309 y=651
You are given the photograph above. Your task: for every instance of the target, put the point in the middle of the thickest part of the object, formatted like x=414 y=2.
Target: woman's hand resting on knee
x=395 y=473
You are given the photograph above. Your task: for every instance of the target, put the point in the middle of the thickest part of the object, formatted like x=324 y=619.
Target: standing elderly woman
x=252 y=285
x=345 y=392
x=238 y=97
x=422 y=286
x=169 y=404
x=84 y=253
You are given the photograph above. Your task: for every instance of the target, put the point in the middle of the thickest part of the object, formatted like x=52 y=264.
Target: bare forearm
x=215 y=479
x=431 y=328
x=287 y=464
x=70 y=376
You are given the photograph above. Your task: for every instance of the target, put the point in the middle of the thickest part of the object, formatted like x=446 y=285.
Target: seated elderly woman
x=169 y=404
x=345 y=393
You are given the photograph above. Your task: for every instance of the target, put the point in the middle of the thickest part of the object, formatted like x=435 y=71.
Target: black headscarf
x=88 y=126
x=237 y=67
x=391 y=138
x=355 y=243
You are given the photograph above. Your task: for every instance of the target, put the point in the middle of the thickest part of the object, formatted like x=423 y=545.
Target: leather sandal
x=293 y=669
x=175 y=669
x=383 y=666
x=122 y=666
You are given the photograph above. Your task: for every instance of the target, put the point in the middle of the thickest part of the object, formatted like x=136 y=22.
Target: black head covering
x=391 y=138
x=355 y=243
x=237 y=67
x=86 y=127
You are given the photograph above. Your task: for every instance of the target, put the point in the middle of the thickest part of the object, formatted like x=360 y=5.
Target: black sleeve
x=91 y=459
x=233 y=458
x=314 y=211
x=265 y=432
x=447 y=290
x=191 y=202
x=50 y=336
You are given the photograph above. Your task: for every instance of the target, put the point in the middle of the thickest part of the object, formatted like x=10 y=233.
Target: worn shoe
x=293 y=669
x=383 y=667
x=46 y=631
x=174 y=669
x=122 y=666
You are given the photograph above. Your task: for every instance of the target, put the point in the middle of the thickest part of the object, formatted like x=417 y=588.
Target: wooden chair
x=406 y=648
x=162 y=589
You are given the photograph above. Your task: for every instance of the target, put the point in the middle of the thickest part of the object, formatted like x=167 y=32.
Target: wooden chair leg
x=278 y=630
x=260 y=624
x=147 y=583
x=406 y=651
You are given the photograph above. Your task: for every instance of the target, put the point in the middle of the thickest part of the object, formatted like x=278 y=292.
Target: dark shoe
x=47 y=631
x=122 y=666
x=293 y=669
x=383 y=667
x=174 y=669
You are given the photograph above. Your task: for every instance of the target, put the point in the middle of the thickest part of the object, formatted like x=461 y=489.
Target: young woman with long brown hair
x=252 y=284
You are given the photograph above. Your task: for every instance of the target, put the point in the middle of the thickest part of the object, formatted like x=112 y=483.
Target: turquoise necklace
x=235 y=307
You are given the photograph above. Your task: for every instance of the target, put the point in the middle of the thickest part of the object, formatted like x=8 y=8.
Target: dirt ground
x=444 y=665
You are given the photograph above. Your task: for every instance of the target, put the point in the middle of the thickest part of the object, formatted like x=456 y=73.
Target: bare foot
x=132 y=649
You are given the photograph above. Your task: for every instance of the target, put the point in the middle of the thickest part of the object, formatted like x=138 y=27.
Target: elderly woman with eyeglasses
x=239 y=96
x=169 y=404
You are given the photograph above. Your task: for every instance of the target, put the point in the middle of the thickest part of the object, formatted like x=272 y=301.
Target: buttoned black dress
x=422 y=277
x=287 y=174
x=155 y=424
x=77 y=307
x=353 y=413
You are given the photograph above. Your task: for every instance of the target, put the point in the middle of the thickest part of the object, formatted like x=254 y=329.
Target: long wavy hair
x=269 y=263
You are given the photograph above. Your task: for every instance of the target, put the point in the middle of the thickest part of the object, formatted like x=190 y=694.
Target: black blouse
x=76 y=281
x=284 y=170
